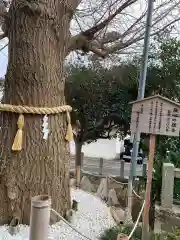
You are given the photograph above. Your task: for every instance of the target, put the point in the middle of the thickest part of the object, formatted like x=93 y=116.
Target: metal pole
x=40 y=216
x=141 y=92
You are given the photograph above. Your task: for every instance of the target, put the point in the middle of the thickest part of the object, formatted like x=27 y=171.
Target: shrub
x=112 y=233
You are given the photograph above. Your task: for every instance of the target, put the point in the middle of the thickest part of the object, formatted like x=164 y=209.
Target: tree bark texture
x=38 y=39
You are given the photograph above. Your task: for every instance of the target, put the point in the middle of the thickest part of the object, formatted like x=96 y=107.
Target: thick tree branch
x=3 y=12
x=2 y=36
x=82 y=40
x=72 y=4
x=33 y=7
x=4 y=18
x=96 y=133
x=76 y=42
x=97 y=51
x=2 y=7
x=114 y=41
x=102 y=129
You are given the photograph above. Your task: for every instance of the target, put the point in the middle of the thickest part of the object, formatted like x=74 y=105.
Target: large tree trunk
x=38 y=40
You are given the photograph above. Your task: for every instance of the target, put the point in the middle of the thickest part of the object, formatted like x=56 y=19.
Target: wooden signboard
x=155 y=115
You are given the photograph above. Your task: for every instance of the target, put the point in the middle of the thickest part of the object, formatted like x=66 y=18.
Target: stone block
x=112 y=198
x=167 y=185
x=86 y=185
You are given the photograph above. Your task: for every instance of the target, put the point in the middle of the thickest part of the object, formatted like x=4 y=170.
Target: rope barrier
x=64 y=220
x=139 y=215
x=129 y=237
x=17 y=145
x=139 y=197
x=137 y=221
x=117 y=181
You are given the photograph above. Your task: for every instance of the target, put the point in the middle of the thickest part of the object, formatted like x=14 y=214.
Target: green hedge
x=177 y=189
x=112 y=233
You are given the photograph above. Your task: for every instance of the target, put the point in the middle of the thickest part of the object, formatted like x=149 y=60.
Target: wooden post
x=122 y=169
x=40 y=216
x=100 y=166
x=107 y=188
x=78 y=170
x=82 y=158
x=78 y=176
x=145 y=229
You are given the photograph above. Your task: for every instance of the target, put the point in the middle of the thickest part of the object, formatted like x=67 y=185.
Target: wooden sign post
x=145 y=229
x=155 y=115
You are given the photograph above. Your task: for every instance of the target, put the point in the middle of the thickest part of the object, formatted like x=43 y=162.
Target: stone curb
x=114 y=215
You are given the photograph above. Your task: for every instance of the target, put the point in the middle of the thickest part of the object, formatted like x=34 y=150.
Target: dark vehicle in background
x=126 y=154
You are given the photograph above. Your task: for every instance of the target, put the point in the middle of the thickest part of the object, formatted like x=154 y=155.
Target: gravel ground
x=91 y=219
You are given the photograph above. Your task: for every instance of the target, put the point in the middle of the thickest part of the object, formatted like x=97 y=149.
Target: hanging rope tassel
x=17 y=145
x=69 y=134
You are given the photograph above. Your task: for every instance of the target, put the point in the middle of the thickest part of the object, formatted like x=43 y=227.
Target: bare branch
x=105 y=37
x=82 y=40
x=92 y=31
x=133 y=25
x=120 y=45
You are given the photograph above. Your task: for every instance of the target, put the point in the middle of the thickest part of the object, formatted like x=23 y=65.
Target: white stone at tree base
x=102 y=191
x=92 y=218
x=117 y=214
x=121 y=214
x=112 y=198
x=86 y=185
x=72 y=182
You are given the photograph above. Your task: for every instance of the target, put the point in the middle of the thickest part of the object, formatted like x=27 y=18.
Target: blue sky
x=3 y=64
x=3 y=58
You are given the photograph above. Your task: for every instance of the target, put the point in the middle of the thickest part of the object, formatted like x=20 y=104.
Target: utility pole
x=141 y=92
